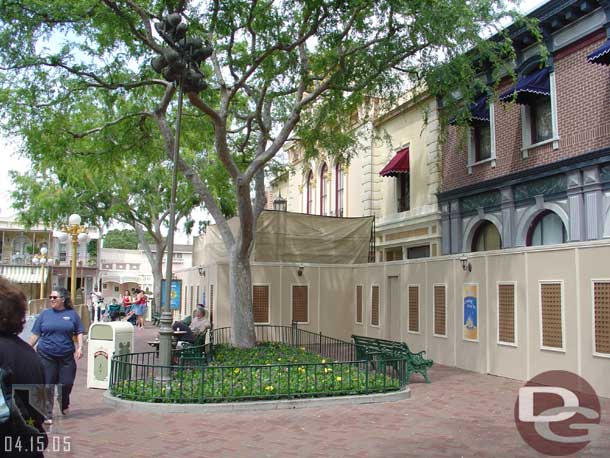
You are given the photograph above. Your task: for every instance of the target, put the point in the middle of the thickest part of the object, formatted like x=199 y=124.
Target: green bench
x=373 y=349
x=194 y=354
x=156 y=319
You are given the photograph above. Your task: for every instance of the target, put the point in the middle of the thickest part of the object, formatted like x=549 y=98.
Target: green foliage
x=125 y=239
x=267 y=371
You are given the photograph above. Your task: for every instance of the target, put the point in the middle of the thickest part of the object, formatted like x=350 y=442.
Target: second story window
x=324 y=190
x=535 y=92
x=481 y=132
x=541 y=119
x=309 y=192
x=404 y=194
x=339 y=190
x=63 y=252
x=398 y=167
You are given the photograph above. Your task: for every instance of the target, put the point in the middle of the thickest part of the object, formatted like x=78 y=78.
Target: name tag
x=67 y=318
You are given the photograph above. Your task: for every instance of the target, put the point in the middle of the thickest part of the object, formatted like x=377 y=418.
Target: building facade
x=19 y=259
x=534 y=169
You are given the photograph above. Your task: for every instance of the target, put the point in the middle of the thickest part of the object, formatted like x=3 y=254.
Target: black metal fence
x=138 y=376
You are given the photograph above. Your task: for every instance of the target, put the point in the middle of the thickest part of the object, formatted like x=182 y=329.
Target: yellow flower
x=323 y=361
x=327 y=370
x=269 y=388
x=279 y=359
x=338 y=379
x=236 y=371
x=301 y=369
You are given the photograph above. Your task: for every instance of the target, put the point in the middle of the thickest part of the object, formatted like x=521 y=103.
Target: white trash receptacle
x=106 y=339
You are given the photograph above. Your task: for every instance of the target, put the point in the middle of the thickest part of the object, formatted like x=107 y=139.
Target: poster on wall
x=175 y=294
x=471 y=312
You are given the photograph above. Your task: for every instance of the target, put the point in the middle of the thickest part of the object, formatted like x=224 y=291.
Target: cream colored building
x=122 y=270
x=404 y=205
x=19 y=246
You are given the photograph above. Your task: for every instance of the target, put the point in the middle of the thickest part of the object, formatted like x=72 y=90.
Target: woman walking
x=54 y=330
x=140 y=308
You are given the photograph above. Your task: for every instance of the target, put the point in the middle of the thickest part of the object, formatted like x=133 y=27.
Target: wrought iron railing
x=140 y=377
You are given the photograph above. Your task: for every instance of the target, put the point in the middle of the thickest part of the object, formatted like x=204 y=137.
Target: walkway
x=460 y=414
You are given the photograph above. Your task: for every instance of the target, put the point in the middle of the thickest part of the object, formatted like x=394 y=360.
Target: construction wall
x=518 y=285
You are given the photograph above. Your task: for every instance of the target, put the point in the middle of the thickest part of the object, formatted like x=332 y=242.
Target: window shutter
x=601 y=300
x=359 y=304
x=440 y=310
x=299 y=304
x=506 y=313
x=375 y=305
x=260 y=303
x=550 y=302
x=414 y=308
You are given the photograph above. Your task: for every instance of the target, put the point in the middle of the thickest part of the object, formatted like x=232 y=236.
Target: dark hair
x=65 y=295
x=13 y=305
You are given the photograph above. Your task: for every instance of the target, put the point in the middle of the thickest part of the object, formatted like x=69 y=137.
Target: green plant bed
x=268 y=371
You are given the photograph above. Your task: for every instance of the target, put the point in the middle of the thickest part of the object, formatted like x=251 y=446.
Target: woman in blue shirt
x=54 y=330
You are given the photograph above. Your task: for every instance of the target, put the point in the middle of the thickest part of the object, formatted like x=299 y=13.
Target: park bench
x=194 y=354
x=156 y=319
x=373 y=349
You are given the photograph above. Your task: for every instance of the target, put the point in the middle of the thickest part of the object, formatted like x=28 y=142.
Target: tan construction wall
x=332 y=298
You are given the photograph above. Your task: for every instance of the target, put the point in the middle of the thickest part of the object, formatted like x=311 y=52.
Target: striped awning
x=23 y=274
x=117 y=278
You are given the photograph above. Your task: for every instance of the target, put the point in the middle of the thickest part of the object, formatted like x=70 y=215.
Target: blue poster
x=203 y=299
x=175 y=294
x=471 y=313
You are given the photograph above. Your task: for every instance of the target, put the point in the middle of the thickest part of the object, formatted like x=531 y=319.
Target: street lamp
x=280 y=204
x=178 y=63
x=77 y=233
x=42 y=260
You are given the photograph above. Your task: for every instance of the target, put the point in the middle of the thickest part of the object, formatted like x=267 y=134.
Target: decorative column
x=456 y=227
x=575 y=206
x=592 y=190
x=445 y=229
x=508 y=217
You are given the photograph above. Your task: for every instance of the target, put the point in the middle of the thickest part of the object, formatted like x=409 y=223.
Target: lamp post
x=42 y=260
x=77 y=233
x=179 y=63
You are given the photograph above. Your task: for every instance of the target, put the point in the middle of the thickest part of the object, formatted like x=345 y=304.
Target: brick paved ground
x=460 y=414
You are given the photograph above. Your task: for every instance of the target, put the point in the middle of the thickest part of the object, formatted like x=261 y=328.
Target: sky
x=12 y=161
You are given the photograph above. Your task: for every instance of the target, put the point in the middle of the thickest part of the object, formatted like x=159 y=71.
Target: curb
x=248 y=406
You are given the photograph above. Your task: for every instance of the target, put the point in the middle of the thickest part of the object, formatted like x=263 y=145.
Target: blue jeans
x=58 y=370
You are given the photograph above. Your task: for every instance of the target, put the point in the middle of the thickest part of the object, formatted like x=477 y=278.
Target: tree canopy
x=124 y=239
x=77 y=74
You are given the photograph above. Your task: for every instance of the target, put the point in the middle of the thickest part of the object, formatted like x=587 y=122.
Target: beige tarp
x=295 y=237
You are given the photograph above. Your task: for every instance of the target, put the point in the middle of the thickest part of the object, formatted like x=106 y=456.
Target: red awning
x=398 y=164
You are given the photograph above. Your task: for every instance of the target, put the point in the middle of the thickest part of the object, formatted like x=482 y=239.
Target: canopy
x=398 y=164
x=479 y=110
x=601 y=55
x=23 y=274
x=537 y=83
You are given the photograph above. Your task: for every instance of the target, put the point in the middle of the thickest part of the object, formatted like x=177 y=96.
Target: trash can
x=106 y=339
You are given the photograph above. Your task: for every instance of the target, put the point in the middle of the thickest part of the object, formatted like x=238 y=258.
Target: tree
x=279 y=71
x=123 y=239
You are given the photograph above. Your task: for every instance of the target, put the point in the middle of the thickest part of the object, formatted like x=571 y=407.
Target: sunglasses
x=53 y=297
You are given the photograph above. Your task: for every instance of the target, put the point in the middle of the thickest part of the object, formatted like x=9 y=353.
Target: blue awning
x=601 y=55
x=479 y=110
x=537 y=83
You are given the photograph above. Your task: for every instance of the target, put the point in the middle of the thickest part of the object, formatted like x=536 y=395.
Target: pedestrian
x=126 y=301
x=96 y=300
x=22 y=423
x=140 y=307
x=53 y=331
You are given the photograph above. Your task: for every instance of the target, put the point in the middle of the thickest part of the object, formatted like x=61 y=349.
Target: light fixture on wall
x=280 y=204
x=466 y=266
x=201 y=270
x=300 y=271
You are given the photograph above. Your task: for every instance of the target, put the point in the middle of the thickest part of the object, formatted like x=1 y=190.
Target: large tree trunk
x=240 y=275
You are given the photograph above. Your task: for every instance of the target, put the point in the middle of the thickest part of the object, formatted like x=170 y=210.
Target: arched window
x=339 y=190
x=309 y=203
x=546 y=229
x=324 y=190
x=486 y=238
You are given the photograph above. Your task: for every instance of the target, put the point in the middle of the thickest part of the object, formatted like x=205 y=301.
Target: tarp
x=295 y=237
